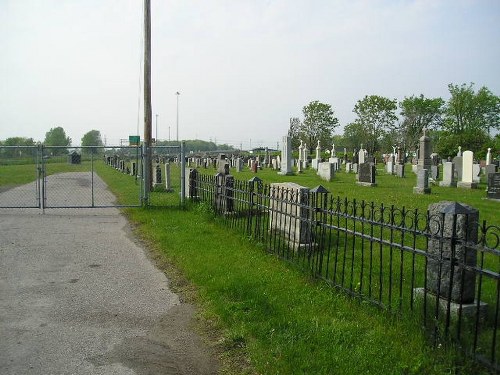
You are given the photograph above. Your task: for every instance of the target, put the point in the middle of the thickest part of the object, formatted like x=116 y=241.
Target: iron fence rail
x=376 y=253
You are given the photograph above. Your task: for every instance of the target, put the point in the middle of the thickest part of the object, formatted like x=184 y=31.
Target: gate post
x=183 y=171
x=146 y=171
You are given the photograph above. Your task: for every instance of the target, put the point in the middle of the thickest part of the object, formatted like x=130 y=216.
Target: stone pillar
x=452 y=225
x=488 y=156
x=424 y=159
x=467 y=171
x=286 y=156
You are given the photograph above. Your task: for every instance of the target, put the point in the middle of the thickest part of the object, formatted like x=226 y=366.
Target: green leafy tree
x=354 y=135
x=469 y=116
x=471 y=111
x=21 y=151
x=318 y=125
x=57 y=137
x=294 y=131
x=418 y=113
x=446 y=143
x=376 y=116
x=92 y=138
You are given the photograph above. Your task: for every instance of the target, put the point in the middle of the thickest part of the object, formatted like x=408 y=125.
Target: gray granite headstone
x=493 y=191
x=400 y=170
x=366 y=174
x=443 y=279
x=457 y=161
x=422 y=182
x=434 y=172
x=490 y=168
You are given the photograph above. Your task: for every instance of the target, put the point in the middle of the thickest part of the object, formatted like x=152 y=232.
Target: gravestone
x=434 y=172
x=224 y=193
x=493 y=191
x=168 y=180
x=467 y=171
x=390 y=167
x=192 y=183
x=490 y=168
x=133 y=168
x=400 y=170
x=290 y=212
x=254 y=166
x=448 y=175
x=422 y=182
x=355 y=167
x=476 y=170
x=348 y=167
x=239 y=165
x=488 y=156
x=366 y=175
x=458 y=164
x=447 y=243
x=362 y=156
x=336 y=163
x=424 y=159
x=222 y=164
x=286 y=156
x=156 y=169
x=317 y=159
x=326 y=171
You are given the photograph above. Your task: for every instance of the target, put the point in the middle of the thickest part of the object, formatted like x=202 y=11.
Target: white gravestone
x=467 y=171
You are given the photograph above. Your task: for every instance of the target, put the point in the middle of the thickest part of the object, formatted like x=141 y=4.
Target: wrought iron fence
x=400 y=260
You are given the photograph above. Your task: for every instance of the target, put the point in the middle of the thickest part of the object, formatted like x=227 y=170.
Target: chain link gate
x=70 y=177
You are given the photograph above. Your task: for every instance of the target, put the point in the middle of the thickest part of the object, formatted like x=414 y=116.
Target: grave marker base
x=467 y=185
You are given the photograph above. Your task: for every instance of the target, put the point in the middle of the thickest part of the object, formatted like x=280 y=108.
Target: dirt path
x=79 y=296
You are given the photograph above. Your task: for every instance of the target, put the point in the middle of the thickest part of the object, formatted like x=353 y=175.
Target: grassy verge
x=268 y=317
x=272 y=315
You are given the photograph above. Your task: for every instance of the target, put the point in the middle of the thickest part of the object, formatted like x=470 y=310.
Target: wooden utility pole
x=147 y=99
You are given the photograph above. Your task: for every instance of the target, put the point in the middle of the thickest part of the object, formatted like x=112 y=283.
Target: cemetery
x=365 y=233
x=372 y=239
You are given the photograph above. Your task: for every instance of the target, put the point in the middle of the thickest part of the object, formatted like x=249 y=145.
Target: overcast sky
x=242 y=68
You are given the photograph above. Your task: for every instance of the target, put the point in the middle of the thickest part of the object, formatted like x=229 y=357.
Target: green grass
x=273 y=314
x=269 y=317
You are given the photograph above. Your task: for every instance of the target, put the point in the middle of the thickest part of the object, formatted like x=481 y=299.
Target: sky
x=243 y=68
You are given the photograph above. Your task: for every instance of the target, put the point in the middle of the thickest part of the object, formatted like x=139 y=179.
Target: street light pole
x=156 y=138
x=177 y=93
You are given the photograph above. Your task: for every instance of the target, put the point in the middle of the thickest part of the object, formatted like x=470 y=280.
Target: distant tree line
x=469 y=119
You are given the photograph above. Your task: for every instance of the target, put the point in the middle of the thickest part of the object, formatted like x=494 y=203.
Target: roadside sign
x=134 y=140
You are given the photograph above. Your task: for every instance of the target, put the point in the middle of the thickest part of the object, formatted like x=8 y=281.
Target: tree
x=22 y=151
x=294 y=131
x=318 y=125
x=354 y=135
x=418 y=113
x=57 y=137
x=446 y=143
x=467 y=111
x=92 y=138
x=376 y=116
